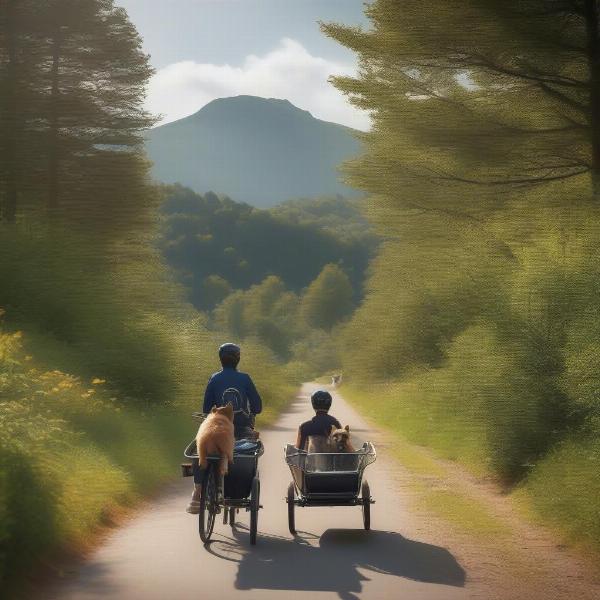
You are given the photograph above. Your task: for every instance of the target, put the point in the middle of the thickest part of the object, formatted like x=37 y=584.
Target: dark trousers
x=198 y=472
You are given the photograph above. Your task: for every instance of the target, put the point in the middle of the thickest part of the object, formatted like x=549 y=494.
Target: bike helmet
x=321 y=400
x=229 y=354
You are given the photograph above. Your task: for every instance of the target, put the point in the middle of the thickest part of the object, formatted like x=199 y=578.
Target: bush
x=59 y=286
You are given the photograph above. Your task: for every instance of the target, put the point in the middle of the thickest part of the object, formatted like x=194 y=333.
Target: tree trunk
x=53 y=137
x=9 y=211
x=593 y=49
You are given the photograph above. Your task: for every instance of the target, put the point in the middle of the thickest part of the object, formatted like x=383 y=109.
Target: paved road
x=158 y=555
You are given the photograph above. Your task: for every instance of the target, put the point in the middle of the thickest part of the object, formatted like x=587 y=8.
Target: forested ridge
x=217 y=245
x=480 y=322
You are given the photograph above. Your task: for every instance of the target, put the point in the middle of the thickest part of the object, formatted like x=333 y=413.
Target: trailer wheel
x=366 y=505
x=291 y=508
x=254 y=507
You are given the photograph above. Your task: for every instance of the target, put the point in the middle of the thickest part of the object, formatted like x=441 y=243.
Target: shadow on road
x=278 y=563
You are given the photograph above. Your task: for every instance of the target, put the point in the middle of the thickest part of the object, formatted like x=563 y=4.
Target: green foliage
x=337 y=215
x=565 y=486
x=328 y=299
x=71 y=296
x=297 y=329
x=213 y=290
x=318 y=351
x=72 y=83
x=205 y=236
x=483 y=178
x=267 y=312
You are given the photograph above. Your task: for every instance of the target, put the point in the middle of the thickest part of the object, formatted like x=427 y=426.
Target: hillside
x=206 y=236
x=256 y=150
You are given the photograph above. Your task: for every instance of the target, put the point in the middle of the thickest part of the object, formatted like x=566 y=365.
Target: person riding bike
x=222 y=388
x=229 y=385
x=321 y=423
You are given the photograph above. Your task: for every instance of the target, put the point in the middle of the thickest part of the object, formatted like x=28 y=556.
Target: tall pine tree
x=72 y=77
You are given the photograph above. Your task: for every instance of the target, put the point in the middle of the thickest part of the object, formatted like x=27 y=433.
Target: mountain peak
x=247 y=102
x=261 y=151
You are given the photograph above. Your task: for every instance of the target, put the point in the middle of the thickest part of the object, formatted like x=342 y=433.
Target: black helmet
x=229 y=354
x=321 y=400
x=229 y=349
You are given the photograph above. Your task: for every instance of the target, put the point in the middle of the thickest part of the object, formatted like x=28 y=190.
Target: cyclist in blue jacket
x=228 y=383
x=229 y=378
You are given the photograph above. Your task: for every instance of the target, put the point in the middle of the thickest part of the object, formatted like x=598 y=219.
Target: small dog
x=215 y=436
x=339 y=440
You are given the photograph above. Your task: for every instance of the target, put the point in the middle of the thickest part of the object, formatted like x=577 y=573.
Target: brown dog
x=339 y=440
x=215 y=436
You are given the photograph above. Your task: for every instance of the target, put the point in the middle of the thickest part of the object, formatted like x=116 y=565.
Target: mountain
x=256 y=150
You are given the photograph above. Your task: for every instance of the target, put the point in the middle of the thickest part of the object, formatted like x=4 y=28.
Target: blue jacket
x=230 y=378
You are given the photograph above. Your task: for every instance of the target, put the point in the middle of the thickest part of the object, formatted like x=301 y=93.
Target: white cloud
x=289 y=71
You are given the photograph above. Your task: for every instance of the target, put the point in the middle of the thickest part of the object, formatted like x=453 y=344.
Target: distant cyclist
x=229 y=385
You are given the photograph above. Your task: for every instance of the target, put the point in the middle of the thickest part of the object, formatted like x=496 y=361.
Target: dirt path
x=414 y=550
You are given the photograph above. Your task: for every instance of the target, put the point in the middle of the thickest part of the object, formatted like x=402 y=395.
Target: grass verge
x=560 y=490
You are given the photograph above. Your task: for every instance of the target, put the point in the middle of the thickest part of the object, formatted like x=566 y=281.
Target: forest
x=461 y=296
x=217 y=245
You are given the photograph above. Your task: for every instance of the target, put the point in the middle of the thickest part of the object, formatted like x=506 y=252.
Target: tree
x=483 y=175
x=73 y=76
x=462 y=97
x=328 y=299
x=17 y=70
x=212 y=291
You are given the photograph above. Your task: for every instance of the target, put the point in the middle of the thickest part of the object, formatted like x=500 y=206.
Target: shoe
x=193 y=507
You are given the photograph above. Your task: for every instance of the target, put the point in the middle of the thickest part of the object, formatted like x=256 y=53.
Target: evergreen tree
x=73 y=78
x=498 y=95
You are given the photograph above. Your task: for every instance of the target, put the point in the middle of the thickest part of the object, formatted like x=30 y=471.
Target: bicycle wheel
x=291 y=509
x=208 y=503
x=366 y=505
x=254 y=506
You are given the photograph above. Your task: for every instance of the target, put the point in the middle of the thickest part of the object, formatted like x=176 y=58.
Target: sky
x=207 y=49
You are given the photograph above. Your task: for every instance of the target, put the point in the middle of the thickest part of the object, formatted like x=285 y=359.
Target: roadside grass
x=465 y=513
x=564 y=490
x=406 y=409
x=561 y=490
x=415 y=460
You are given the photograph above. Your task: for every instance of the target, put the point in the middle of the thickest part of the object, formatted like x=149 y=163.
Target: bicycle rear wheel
x=208 y=503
